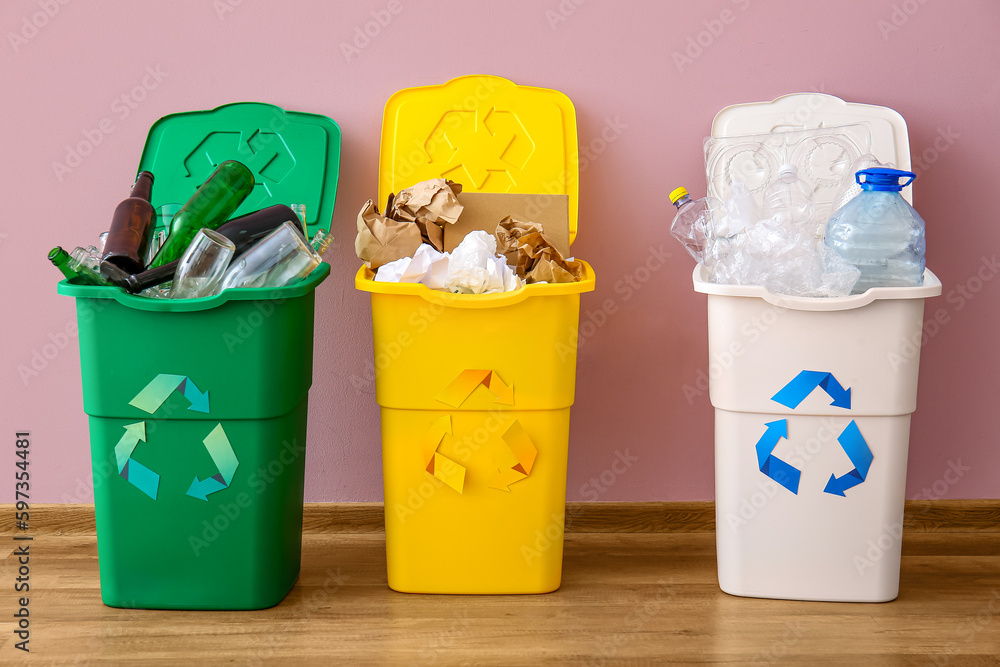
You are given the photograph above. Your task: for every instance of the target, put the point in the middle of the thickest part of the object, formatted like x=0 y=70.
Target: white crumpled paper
x=471 y=268
x=474 y=267
x=427 y=266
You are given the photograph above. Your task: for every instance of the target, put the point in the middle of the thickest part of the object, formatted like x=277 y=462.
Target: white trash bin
x=812 y=426
x=812 y=402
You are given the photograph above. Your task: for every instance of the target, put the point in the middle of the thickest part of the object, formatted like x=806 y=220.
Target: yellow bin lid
x=485 y=133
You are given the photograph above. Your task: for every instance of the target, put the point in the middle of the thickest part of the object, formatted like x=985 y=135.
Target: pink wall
x=938 y=66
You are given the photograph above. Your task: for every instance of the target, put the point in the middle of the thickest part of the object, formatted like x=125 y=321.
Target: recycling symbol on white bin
x=857 y=450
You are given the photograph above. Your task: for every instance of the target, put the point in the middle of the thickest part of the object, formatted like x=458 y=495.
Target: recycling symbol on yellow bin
x=515 y=437
x=216 y=442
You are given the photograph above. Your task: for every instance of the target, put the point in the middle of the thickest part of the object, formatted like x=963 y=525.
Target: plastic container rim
x=296 y=289
x=931 y=287
x=364 y=280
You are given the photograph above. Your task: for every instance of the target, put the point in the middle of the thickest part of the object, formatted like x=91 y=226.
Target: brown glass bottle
x=131 y=227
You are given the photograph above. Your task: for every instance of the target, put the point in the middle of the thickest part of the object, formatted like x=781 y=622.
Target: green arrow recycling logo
x=216 y=442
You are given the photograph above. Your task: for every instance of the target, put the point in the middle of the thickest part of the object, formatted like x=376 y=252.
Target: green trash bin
x=198 y=407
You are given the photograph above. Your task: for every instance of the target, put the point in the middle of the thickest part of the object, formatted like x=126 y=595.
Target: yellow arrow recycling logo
x=521 y=452
x=462 y=387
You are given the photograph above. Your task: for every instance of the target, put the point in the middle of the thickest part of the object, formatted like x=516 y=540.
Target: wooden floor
x=627 y=598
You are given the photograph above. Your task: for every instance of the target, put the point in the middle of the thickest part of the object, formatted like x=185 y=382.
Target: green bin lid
x=294 y=157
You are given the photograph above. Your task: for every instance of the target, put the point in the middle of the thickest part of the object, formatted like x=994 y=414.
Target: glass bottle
x=131 y=225
x=277 y=260
x=210 y=206
x=243 y=231
x=74 y=269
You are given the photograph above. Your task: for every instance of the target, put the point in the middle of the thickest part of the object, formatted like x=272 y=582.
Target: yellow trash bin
x=475 y=390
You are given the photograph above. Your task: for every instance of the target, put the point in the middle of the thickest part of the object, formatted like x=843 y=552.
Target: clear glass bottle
x=202 y=266
x=278 y=259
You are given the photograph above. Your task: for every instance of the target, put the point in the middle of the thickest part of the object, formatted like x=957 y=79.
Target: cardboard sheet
x=484 y=210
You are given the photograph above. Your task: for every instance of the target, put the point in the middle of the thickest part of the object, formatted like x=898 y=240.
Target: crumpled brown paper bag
x=381 y=239
x=431 y=205
x=532 y=255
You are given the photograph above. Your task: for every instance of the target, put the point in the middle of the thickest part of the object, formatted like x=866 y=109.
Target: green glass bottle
x=210 y=206
x=74 y=270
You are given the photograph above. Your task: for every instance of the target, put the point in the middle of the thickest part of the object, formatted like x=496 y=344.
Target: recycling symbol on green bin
x=216 y=442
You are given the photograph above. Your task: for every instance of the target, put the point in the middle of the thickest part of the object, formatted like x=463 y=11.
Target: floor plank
x=627 y=598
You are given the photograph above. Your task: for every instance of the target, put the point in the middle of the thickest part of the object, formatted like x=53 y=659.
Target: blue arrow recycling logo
x=851 y=440
x=216 y=442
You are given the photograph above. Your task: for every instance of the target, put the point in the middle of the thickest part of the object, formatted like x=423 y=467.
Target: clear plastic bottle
x=879 y=232
x=694 y=222
x=789 y=199
x=277 y=259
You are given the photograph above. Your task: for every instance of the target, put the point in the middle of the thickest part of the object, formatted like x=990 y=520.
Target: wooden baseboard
x=934 y=516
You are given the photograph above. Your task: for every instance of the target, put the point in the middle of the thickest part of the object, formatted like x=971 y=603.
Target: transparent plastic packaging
x=788 y=200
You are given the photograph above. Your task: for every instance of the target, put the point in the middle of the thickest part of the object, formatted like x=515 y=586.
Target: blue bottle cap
x=882 y=179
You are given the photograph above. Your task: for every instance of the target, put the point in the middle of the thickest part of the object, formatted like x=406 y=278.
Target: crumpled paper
x=381 y=239
x=532 y=255
x=474 y=267
x=427 y=266
x=412 y=216
x=430 y=205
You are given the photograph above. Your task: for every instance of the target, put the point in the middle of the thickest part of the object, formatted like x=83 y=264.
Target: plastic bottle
x=789 y=199
x=278 y=259
x=879 y=232
x=131 y=225
x=694 y=221
x=210 y=206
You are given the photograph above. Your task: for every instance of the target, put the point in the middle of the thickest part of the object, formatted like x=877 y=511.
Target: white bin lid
x=808 y=111
x=811 y=111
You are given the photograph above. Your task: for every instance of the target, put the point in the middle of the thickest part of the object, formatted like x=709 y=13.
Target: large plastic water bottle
x=879 y=232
